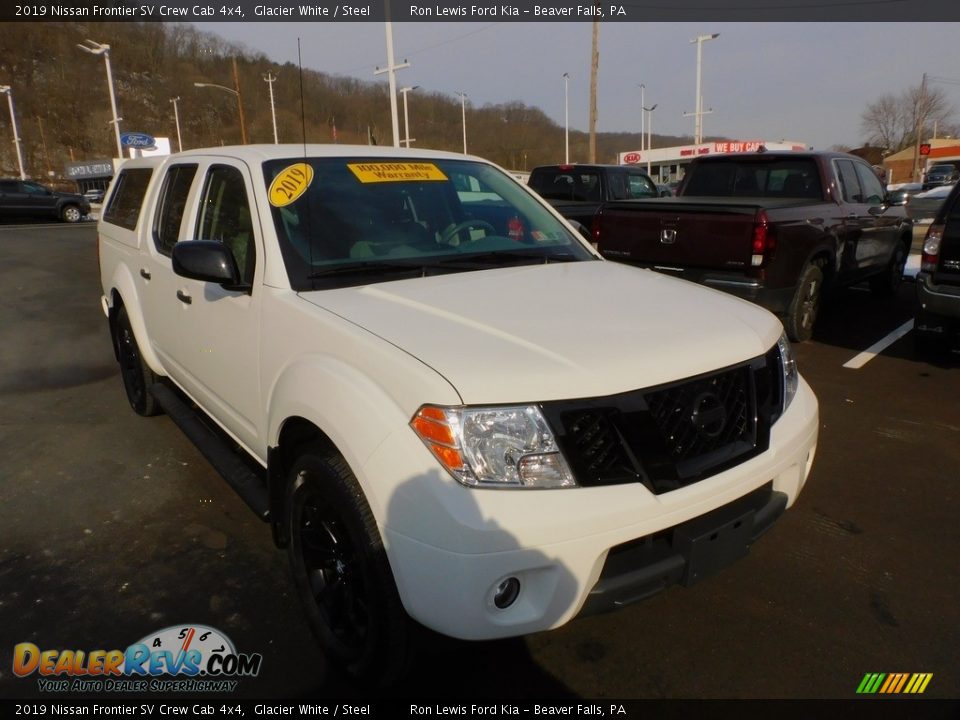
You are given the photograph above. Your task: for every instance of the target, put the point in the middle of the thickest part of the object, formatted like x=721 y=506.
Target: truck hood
x=550 y=332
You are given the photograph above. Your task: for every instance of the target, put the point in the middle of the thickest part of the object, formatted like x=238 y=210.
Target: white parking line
x=878 y=347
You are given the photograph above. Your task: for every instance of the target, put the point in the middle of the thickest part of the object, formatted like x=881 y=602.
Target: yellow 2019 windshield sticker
x=395 y=172
x=289 y=184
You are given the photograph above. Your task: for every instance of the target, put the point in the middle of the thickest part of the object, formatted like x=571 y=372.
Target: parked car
x=665 y=190
x=770 y=227
x=94 y=195
x=445 y=403
x=938 y=283
x=941 y=174
x=25 y=198
x=927 y=204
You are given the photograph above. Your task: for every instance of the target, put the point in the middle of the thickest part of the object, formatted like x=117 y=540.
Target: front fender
x=355 y=412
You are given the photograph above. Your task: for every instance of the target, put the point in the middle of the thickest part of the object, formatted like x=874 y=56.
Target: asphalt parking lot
x=113 y=526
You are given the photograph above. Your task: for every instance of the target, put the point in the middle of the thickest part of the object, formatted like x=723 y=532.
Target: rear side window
x=173 y=202
x=127 y=197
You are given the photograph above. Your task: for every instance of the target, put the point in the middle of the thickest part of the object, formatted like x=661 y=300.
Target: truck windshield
x=759 y=178
x=382 y=219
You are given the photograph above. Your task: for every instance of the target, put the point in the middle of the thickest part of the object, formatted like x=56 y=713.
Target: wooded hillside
x=63 y=108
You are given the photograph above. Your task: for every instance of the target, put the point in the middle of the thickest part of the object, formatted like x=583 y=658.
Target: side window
x=872 y=190
x=173 y=202
x=127 y=198
x=33 y=189
x=849 y=183
x=225 y=217
x=618 y=186
x=640 y=186
x=9 y=186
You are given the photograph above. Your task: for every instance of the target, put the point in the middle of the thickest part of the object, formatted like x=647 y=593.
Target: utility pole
x=43 y=142
x=270 y=79
x=176 y=120
x=921 y=121
x=236 y=85
x=391 y=70
x=6 y=90
x=463 y=116
x=594 y=68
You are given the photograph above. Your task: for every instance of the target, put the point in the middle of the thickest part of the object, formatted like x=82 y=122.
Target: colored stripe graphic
x=894 y=683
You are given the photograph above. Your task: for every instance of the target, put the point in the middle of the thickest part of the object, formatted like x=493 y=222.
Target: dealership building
x=667 y=164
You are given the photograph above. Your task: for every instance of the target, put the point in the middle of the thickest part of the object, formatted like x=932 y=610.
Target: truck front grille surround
x=675 y=434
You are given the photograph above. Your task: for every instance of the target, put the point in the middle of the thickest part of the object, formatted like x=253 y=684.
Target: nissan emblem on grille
x=708 y=415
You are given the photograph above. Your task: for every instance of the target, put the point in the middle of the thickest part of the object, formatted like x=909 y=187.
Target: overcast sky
x=807 y=82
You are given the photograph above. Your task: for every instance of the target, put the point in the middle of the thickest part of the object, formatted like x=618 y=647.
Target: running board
x=215 y=449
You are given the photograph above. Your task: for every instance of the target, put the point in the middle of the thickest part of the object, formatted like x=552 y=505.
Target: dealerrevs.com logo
x=180 y=658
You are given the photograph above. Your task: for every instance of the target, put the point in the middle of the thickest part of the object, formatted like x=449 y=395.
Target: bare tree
x=892 y=120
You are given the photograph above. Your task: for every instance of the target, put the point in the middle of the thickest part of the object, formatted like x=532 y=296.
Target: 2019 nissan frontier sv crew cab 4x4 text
x=456 y=410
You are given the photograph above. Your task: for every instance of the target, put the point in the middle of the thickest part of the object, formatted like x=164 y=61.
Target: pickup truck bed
x=773 y=228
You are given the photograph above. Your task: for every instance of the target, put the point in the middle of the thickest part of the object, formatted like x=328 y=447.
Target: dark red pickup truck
x=771 y=227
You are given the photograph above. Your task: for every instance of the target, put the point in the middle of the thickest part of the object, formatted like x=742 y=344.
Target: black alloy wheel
x=341 y=571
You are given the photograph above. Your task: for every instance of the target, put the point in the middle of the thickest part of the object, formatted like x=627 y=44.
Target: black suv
x=27 y=198
x=941 y=174
x=938 y=282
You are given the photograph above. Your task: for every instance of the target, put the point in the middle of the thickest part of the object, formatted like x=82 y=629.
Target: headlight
x=494 y=446
x=788 y=363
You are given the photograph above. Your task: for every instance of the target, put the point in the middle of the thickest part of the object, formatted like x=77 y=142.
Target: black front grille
x=671 y=435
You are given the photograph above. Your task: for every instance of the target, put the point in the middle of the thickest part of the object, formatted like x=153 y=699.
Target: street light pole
x=6 y=90
x=649 y=111
x=95 y=48
x=406 y=116
x=270 y=79
x=642 y=108
x=176 y=119
x=566 y=118
x=698 y=113
x=463 y=115
x=243 y=125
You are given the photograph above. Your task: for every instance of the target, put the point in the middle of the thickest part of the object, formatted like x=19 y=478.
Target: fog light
x=507 y=593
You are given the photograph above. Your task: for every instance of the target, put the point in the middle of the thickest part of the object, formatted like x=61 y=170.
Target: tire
x=71 y=214
x=802 y=313
x=887 y=283
x=137 y=375
x=341 y=572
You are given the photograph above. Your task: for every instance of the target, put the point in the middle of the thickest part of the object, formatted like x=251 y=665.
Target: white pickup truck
x=446 y=404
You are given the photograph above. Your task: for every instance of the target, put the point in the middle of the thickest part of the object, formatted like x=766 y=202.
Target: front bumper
x=450 y=547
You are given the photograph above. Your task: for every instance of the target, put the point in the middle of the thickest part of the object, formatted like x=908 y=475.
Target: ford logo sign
x=141 y=141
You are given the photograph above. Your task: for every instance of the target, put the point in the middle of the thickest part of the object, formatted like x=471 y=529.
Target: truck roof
x=260 y=153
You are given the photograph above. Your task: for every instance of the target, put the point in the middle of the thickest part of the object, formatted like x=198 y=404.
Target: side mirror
x=207 y=261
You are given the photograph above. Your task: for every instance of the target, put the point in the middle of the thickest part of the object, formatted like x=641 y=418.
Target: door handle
x=184 y=297
x=853 y=216
x=144 y=273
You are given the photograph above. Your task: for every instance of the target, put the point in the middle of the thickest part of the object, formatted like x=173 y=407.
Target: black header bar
x=332 y=11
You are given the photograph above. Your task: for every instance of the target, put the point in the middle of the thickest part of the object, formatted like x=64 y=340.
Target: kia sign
x=631 y=158
x=140 y=141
